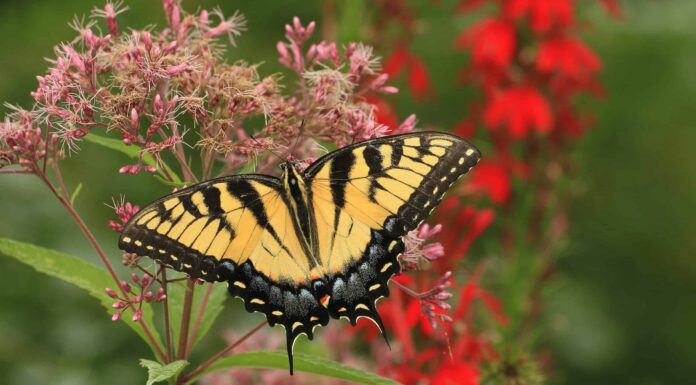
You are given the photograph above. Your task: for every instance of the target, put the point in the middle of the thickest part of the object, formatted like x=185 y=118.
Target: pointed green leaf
x=158 y=373
x=132 y=152
x=77 y=272
x=303 y=363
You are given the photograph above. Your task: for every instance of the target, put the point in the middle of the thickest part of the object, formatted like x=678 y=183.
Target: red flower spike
x=569 y=57
x=418 y=78
x=397 y=61
x=612 y=7
x=466 y=128
x=492 y=179
x=543 y=14
x=402 y=59
x=456 y=373
x=521 y=109
x=492 y=43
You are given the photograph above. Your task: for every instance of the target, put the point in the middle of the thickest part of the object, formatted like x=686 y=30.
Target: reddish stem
x=188 y=377
x=167 y=324
x=185 y=320
x=199 y=317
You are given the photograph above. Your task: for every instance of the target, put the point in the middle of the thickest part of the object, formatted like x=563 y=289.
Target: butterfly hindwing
x=366 y=197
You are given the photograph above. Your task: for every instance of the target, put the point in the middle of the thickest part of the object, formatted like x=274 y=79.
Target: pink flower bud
x=150 y=169
x=310 y=29
x=125 y=286
x=115 y=226
x=137 y=315
x=118 y=305
x=146 y=279
x=148 y=296
x=158 y=104
x=110 y=292
x=177 y=69
x=407 y=126
x=389 y=90
x=135 y=277
x=203 y=17
x=134 y=119
x=116 y=316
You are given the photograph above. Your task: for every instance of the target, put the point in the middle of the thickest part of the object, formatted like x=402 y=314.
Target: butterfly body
x=311 y=245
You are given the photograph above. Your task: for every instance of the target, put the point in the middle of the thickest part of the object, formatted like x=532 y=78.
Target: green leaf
x=303 y=363
x=77 y=272
x=132 y=152
x=158 y=373
x=75 y=193
x=176 y=293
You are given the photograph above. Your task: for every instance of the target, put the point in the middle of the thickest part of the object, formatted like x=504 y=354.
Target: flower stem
x=185 y=320
x=408 y=290
x=15 y=172
x=202 y=367
x=199 y=317
x=167 y=324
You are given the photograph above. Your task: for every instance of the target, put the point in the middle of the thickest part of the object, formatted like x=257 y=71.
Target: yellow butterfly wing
x=236 y=229
x=365 y=198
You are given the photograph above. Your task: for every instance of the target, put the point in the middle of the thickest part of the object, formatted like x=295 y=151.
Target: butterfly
x=311 y=245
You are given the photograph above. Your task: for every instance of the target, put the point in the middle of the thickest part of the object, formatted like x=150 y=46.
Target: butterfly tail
x=291 y=338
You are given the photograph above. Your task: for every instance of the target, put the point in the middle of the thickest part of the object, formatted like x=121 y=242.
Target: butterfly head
x=291 y=175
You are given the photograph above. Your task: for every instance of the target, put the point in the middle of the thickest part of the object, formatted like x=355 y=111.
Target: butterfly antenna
x=297 y=140
x=269 y=150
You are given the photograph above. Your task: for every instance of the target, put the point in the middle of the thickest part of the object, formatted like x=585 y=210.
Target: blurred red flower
x=520 y=109
x=543 y=14
x=402 y=59
x=568 y=57
x=492 y=43
x=613 y=7
x=462 y=227
x=490 y=178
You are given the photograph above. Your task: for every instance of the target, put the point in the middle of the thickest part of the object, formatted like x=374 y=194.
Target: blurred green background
x=623 y=308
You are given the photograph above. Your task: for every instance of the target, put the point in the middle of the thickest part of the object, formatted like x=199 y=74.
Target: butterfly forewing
x=236 y=229
x=366 y=197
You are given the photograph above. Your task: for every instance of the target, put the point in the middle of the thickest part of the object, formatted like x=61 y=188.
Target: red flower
x=471 y=292
x=568 y=57
x=397 y=61
x=402 y=59
x=613 y=7
x=521 y=109
x=492 y=43
x=462 y=228
x=490 y=178
x=418 y=78
x=544 y=14
x=455 y=373
x=384 y=112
